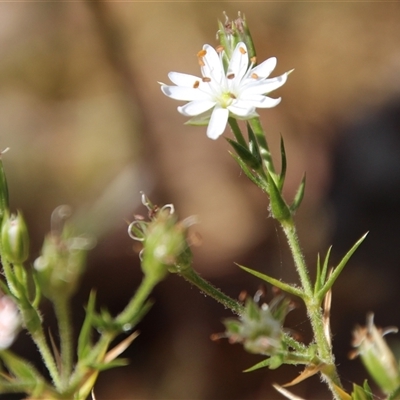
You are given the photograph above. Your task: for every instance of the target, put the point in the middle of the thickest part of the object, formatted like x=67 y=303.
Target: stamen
x=254 y=75
x=205 y=79
x=230 y=76
x=196 y=84
x=201 y=62
x=231 y=95
x=201 y=53
x=242 y=50
x=219 y=49
x=253 y=59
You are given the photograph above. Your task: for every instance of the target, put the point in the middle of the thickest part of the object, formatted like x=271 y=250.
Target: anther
x=253 y=59
x=242 y=50
x=196 y=84
x=219 y=49
x=232 y=96
x=205 y=79
x=230 y=76
x=201 y=53
x=254 y=75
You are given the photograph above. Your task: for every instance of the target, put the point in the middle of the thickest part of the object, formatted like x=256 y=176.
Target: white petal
x=239 y=62
x=264 y=69
x=217 y=124
x=213 y=67
x=267 y=102
x=185 y=80
x=265 y=86
x=196 y=107
x=184 y=93
x=242 y=108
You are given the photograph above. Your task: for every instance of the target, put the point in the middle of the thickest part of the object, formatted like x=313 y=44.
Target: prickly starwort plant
x=231 y=89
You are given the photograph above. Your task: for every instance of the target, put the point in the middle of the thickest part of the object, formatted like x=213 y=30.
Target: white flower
x=10 y=322
x=238 y=91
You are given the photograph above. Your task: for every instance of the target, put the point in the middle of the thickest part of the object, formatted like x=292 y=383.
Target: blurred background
x=87 y=125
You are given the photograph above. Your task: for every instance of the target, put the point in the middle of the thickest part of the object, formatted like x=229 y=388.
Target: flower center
x=226 y=99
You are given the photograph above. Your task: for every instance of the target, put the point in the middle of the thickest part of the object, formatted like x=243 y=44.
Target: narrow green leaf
x=247 y=157
x=261 y=364
x=253 y=145
x=279 y=208
x=336 y=272
x=20 y=367
x=119 y=362
x=280 y=285
x=236 y=131
x=321 y=272
x=298 y=198
x=254 y=178
x=283 y=166
x=84 y=340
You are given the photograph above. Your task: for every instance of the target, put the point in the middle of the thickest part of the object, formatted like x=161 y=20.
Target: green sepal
x=199 y=120
x=282 y=175
x=362 y=393
x=236 y=131
x=275 y=282
x=245 y=155
x=279 y=208
x=321 y=273
x=84 y=339
x=336 y=272
x=298 y=198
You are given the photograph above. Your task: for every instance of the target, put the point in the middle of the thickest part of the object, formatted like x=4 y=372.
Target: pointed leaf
x=261 y=364
x=247 y=157
x=321 y=272
x=279 y=208
x=309 y=371
x=280 y=285
x=253 y=145
x=283 y=165
x=336 y=272
x=298 y=198
x=84 y=340
x=255 y=179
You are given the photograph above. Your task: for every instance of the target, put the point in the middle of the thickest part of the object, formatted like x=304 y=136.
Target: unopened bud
x=376 y=355
x=14 y=238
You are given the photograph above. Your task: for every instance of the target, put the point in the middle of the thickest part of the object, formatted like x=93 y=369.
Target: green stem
x=48 y=359
x=61 y=309
x=291 y=235
x=314 y=310
x=136 y=303
x=193 y=277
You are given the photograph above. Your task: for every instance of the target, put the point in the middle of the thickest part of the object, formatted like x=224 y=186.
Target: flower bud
x=61 y=263
x=14 y=238
x=230 y=33
x=10 y=322
x=375 y=354
x=165 y=245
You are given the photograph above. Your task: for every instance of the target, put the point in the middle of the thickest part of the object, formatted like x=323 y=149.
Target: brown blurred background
x=88 y=126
